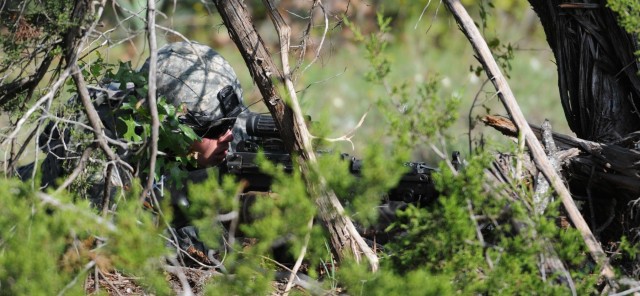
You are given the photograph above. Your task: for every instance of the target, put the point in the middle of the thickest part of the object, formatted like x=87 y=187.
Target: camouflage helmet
x=192 y=75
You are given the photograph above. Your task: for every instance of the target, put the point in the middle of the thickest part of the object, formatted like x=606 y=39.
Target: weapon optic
x=415 y=186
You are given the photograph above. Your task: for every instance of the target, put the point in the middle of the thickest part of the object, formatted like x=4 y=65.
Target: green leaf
x=131 y=134
x=189 y=133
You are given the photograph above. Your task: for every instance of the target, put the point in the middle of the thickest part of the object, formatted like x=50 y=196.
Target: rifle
x=416 y=186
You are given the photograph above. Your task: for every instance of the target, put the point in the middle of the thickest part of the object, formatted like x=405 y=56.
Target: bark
x=597 y=69
x=345 y=240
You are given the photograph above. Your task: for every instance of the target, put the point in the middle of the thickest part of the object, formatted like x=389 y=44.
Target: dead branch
x=502 y=172
x=151 y=96
x=298 y=263
x=323 y=193
x=76 y=172
x=506 y=96
x=614 y=166
x=9 y=91
x=48 y=96
x=50 y=200
x=345 y=239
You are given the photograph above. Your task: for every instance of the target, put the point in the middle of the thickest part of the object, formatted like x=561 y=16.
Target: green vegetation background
x=421 y=49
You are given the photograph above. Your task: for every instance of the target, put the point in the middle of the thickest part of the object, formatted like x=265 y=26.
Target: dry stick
x=106 y=200
x=284 y=33
x=151 y=97
x=76 y=172
x=96 y=124
x=90 y=110
x=345 y=239
x=86 y=268
x=14 y=159
x=50 y=200
x=508 y=100
x=182 y=277
x=85 y=98
x=298 y=263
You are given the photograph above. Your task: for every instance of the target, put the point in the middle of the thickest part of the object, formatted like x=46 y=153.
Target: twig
x=75 y=279
x=48 y=96
x=506 y=96
x=14 y=158
x=349 y=135
x=106 y=280
x=180 y=251
x=236 y=219
x=298 y=263
x=90 y=110
x=324 y=35
x=151 y=98
x=186 y=288
x=48 y=199
x=345 y=239
x=85 y=98
x=77 y=170
x=473 y=105
x=422 y=14
x=106 y=197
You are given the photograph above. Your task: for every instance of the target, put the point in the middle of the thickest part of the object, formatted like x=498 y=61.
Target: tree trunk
x=597 y=68
x=345 y=240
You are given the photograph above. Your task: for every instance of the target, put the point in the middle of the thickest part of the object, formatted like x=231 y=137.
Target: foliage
x=468 y=242
x=476 y=239
x=175 y=138
x=49 y=243
x=30 y=32
x=629 y=14
x=130 y=121
x=503 y=53
x=443 y=243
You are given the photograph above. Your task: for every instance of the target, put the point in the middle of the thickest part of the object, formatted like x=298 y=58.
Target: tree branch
x=151 y=96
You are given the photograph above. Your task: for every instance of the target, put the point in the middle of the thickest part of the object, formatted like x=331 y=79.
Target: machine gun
x=416 y=186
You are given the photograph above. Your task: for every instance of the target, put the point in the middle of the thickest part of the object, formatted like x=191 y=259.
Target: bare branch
x=47 y=97
x=76 y=172
x=298 y=263
x=50 y=200
x=324 y=35
x=151 y=98
x=333 y=206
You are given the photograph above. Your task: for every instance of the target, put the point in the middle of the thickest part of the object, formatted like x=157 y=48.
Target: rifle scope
x=262 y=125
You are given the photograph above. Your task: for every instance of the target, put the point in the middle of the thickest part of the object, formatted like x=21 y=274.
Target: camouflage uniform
x=183 y=80
x=192 y=75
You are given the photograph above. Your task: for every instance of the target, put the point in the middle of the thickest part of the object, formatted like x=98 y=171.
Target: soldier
x=197 y=77
x=192 y=77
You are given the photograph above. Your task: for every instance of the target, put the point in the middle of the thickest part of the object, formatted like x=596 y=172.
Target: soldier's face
x=211 y=152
